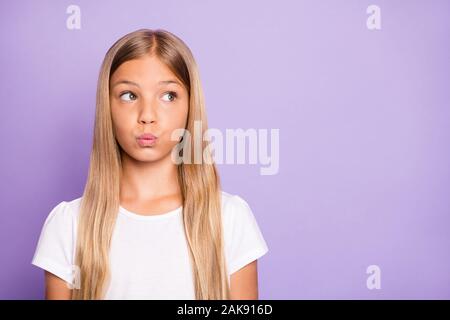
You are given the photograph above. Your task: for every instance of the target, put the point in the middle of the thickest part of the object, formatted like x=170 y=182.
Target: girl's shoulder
x=226 y=196
x=64 y=215
x=56 y=244
x=66 y=208
x=236 y=211
x=233 y=203
x=244 y=241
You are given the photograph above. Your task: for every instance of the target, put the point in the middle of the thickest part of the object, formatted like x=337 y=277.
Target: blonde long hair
x=199 y=183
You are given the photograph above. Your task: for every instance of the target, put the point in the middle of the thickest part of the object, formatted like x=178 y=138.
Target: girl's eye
x=131 y=94
x=171 y=96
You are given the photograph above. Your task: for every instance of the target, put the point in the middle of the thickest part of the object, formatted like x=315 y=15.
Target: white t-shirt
x=149 y=256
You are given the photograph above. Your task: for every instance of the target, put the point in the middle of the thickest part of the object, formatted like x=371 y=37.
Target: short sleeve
x=54 y=251
x=243 y=238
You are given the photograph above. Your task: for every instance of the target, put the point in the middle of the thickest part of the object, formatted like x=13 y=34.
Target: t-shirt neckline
x=166 y=215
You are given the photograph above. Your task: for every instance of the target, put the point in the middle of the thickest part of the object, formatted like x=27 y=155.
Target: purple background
x=364 y=131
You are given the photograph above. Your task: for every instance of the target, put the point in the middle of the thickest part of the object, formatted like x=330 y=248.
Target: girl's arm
x=56 y=288
x=244 y=283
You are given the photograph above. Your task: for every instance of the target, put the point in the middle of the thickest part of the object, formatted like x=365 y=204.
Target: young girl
x=146 y=226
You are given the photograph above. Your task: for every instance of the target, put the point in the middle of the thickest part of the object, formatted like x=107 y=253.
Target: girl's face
x=146 y=97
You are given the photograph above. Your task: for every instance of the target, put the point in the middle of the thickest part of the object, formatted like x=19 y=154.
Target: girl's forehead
x=148 y=68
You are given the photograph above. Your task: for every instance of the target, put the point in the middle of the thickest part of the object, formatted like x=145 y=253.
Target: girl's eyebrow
x=127 y=82
x=165 y=82
x=169 y=82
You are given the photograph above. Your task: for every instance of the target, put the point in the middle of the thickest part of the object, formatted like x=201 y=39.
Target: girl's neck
x=147 y=181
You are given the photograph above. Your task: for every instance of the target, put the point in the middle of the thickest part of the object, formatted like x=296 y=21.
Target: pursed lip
x=147 y=136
